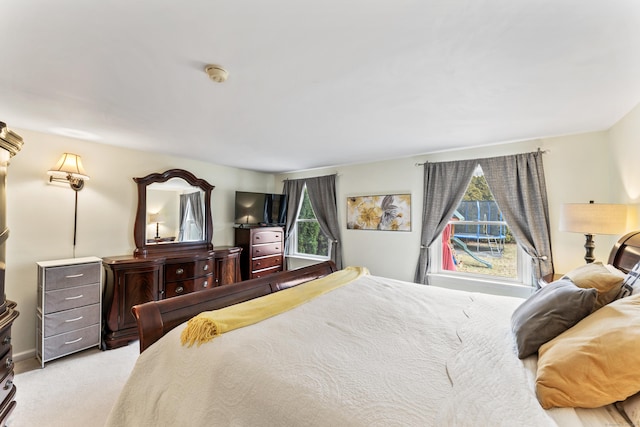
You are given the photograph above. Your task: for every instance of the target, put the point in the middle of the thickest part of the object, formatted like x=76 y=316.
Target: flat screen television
x=260 y=209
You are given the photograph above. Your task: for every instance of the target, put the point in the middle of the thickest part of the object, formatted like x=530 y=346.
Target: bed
x=371 y=352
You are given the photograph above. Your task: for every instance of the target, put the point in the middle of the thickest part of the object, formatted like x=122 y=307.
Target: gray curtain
x=293 y=190
x=444 y=186
x=322 y=195
x=191 y=202
x=518 y=185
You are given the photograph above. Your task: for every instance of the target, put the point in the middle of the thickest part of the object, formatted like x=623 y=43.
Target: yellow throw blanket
x=209 y=324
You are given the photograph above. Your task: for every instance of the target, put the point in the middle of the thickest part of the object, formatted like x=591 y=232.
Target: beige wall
x=578 y=168
x=625 y=151
x=40 y=215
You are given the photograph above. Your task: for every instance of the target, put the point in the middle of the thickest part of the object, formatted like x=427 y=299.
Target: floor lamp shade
x=593 y=218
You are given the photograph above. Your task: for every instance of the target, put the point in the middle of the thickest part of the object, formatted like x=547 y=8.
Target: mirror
x=174 y=213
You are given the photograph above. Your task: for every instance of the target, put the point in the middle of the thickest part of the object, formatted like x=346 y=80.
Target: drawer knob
x=179 y=290
x=73 y=276
x=76 y=297
x=74 y=320
x=206 y=267
x=9 y=363
x=180 y=271
x=205 y=284
x=6 y=340
x=8 y=384
x=258 y=263
x=74 y=341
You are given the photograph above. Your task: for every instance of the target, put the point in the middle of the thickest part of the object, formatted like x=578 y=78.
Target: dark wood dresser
x=10 y=145
x=161 y=268
x=262 y=251
x=131 y=280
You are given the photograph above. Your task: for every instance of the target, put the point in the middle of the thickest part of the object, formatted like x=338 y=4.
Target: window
x=477 y=242
x=308 y=240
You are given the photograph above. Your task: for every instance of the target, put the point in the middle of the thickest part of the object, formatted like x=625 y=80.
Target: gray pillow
x=548 y=312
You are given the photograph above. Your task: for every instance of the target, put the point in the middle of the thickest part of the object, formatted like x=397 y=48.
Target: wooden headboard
x=626 y=252
x=156 y=318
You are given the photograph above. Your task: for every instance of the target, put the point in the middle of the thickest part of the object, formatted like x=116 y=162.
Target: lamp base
x=589 y=246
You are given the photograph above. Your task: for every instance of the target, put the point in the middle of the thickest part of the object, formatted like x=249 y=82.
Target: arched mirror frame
x=140 y=227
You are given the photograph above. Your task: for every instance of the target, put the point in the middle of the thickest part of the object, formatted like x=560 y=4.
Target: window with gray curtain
x=322 y=195
x=518 y=186
x=191 y=217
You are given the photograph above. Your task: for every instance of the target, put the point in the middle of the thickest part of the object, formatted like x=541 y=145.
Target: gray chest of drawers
x=69 y=307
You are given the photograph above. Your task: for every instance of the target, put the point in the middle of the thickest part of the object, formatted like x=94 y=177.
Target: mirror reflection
x=175 y=212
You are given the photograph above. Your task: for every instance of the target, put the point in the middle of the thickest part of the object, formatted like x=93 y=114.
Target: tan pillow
x=606 y=281
x=596 y=362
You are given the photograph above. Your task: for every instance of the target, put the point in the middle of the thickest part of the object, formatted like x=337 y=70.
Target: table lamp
x=593 y=218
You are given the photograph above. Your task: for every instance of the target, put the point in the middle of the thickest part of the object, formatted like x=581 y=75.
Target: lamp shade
x=156 y=217
x=593 y=218
x=69 y=164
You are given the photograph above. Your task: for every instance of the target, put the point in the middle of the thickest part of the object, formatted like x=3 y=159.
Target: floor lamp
x=593 y=218
x=69 y=169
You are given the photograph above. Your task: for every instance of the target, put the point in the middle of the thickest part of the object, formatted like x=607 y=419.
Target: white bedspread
x=376 y=352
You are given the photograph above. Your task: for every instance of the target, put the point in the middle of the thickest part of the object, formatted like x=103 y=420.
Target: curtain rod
x=310 y=177
x=540 y=150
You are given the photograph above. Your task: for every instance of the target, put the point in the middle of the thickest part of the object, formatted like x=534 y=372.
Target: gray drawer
x=67 y=298
x=69 y=276
x=70 y=342
x=69 y=320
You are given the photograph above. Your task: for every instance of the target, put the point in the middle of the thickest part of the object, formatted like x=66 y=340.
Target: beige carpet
x=73 y=391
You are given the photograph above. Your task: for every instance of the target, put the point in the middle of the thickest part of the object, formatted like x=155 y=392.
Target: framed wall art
x=390 y=212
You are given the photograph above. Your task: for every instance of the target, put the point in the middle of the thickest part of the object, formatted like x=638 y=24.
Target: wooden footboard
x=156 y=318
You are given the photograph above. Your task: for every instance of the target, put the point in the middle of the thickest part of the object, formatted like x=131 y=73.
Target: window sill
x=487 y=286
x=308 y=257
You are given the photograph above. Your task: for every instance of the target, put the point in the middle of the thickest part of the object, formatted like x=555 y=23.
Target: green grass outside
x=503 y=264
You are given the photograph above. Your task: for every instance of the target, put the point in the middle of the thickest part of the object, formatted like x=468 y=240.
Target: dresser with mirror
x=174 y=254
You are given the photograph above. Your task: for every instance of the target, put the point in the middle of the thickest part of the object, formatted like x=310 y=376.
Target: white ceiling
x=315 y=84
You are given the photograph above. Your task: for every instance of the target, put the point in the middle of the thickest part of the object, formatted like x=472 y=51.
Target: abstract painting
x=391 y=212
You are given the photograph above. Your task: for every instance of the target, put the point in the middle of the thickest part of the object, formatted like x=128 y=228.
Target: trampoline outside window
x=477 y=240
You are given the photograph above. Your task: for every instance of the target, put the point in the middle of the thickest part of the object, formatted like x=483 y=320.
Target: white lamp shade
x=593 y=218
x=156 y=217
x=69 y=164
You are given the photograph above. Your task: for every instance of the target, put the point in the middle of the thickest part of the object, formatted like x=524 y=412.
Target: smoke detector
x=216 y=73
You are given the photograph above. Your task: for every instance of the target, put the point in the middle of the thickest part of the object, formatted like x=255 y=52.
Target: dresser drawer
x=7 y=389
x=6 y=363
x=71 y=275
x=187 y=270
x=5 y=340
x=67 y=298
x=266 y=262
x=267 y=236
x=265 y=272
x=173 y=289
x=70 y=342
x=268 y=249
x=69 y=320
